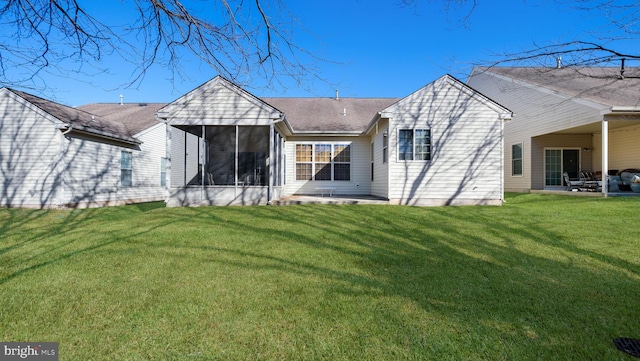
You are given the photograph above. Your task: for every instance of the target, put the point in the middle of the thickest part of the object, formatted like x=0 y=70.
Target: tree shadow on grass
x=516 y=278
x=50 y=236
x=484 y=281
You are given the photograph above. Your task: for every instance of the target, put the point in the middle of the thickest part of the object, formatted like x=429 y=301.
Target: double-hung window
x=323 y=162
x=516 y=159
x=414 y=144
x=385 y=147
x=304 y=162
x=126 y=169
x=341 y=162
x=373 y=152
x=163 y=172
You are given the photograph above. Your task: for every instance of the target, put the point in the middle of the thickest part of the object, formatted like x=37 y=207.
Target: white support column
x=605 y=157
x=282 y=161
x=202 y=163
x=235 y=171
x=271 y=163
x=502 y=157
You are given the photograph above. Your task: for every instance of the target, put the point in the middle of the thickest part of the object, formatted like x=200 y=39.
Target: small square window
x=414 y=144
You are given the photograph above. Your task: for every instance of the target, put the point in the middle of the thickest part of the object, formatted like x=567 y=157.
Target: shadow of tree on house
x=465 y=161
x=47 y=166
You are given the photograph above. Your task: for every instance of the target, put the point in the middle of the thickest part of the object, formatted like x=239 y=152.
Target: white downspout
x=271 y=163
x=63 y=165
x=505 y=117
x=605 y=157
x=502 y=198
x=202 y=164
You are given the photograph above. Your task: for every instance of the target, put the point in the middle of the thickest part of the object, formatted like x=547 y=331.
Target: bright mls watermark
x=32 y=351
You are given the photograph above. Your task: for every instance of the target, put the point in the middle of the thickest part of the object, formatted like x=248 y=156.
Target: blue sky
x=373 y=48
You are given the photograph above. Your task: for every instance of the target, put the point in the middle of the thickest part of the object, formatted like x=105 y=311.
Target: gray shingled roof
x=602 y=85
x=350 y=115
x=80 y=119
x=136 y=117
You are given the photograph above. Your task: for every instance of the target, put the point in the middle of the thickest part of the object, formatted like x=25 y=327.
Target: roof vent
x=344 y=112
x=142 y=104
x=559 y=62
x=121 y=99
x=337 y=97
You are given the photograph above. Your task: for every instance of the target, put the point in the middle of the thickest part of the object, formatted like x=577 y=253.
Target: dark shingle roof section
x=136 y=117
x=80 y=119
x=343 y=115
x=603 y=85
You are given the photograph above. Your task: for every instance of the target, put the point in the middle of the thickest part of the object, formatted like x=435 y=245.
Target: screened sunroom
x=225 y=165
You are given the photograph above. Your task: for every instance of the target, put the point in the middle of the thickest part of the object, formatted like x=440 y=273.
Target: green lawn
x=540 y=278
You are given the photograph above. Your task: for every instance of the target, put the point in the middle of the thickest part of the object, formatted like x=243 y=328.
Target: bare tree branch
x=235 y=38
x=574 y=53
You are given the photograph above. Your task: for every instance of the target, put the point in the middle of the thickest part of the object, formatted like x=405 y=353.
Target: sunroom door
x=558 y=161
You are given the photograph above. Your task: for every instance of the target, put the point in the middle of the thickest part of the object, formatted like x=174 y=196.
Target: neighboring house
x=52 y=155
x=149 y=160
x=440 y=145
x=565 y=120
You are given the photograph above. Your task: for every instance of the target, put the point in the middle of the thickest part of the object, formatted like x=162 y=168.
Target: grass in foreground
x=542 y=277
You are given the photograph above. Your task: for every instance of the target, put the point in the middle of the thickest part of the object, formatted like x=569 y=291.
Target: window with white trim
x=163 y=172
x=516 y=159
x=126 y=169
x=323 y=162
x=414 y=144
x=385 y=147
x=372 y=155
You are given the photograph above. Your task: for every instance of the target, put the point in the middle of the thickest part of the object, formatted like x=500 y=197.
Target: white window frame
x=163 y=171
x=385 y=146
x=332 y=162
x=521 y=159
x=415 y=145
x=124 y=169
x=373 y=152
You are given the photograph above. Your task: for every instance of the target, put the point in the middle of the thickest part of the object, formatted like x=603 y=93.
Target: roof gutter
x=96 y=133
x=283 y=119
x=336 y=133
x=621 y=110
x=373 y=122
x=68 y=128
x=505 y=117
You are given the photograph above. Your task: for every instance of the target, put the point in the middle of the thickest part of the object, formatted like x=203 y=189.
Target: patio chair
x=589 y=181
x=570 y=185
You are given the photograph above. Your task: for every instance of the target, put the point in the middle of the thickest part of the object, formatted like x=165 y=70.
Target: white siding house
x=445 y=146
x=149 y=159
x=52 y=155
x=573 y=120
x=225 y=147
x=31 y=149
x=440 y=145
x=221 y=145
